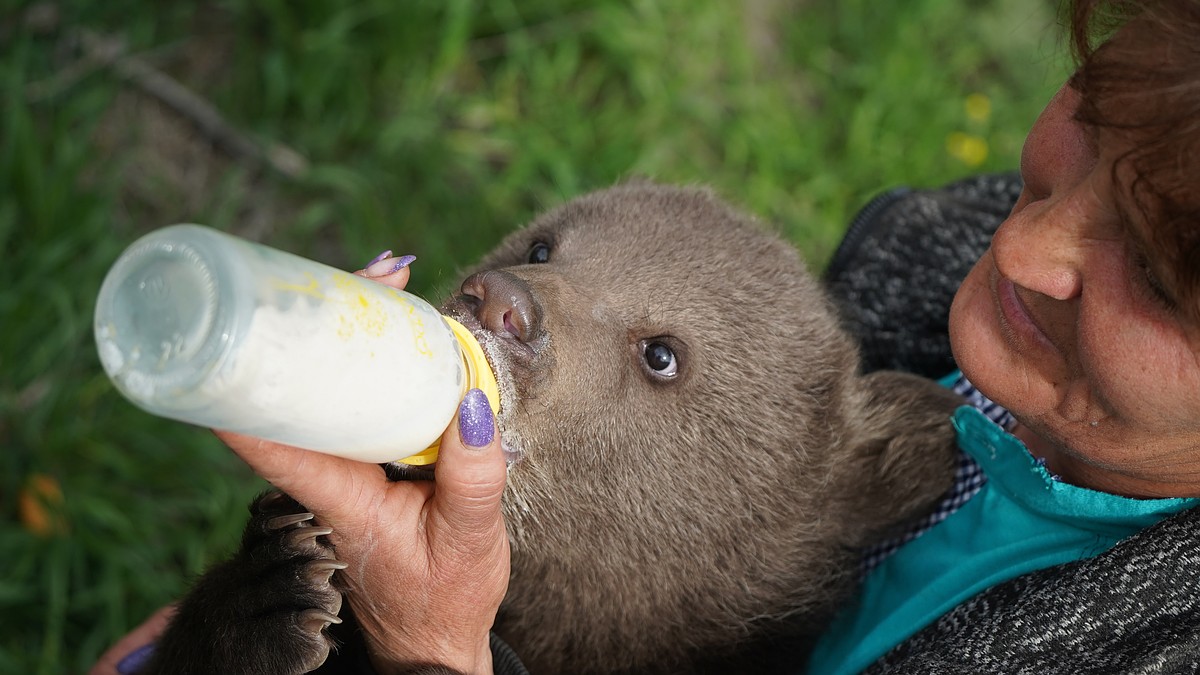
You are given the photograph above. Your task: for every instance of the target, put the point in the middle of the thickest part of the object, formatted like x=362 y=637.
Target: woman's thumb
x=470 y=471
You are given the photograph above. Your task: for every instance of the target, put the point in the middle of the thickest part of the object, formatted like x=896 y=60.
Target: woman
x=1082 y=319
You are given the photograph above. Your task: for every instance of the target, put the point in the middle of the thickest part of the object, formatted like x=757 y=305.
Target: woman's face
x=1061 y=323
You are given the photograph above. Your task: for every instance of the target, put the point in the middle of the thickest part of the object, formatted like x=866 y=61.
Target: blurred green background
x=429 y=127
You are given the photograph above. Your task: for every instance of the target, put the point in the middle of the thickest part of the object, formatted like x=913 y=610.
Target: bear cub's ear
x=904 y=447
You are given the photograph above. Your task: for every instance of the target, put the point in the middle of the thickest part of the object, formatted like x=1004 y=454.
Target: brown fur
x=654 y=521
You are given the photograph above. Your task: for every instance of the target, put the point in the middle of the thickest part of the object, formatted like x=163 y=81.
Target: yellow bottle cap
x=479 y=375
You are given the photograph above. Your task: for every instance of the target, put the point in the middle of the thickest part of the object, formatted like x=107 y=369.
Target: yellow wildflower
x=978 y=108
x=969 y=149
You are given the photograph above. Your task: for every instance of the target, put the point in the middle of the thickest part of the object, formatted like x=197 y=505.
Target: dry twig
x=103 y=51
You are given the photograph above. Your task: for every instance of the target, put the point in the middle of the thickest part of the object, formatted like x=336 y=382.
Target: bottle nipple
x=479 y=375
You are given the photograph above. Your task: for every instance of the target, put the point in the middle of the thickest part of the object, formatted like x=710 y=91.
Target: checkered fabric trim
x=968 y=479
x=983 y=404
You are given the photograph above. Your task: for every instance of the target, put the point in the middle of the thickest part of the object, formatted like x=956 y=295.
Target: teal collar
x=1021 y=520
x=1022 y=478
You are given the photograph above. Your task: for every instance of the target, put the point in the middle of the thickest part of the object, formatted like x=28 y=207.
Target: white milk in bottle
x=203 y=327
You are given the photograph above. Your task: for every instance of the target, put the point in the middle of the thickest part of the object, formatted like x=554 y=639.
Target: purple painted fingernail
x=135 y=660
x=381 y=256
x=475 y=425
x=386 y=266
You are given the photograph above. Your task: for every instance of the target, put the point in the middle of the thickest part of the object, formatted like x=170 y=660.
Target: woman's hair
x=1139 y=80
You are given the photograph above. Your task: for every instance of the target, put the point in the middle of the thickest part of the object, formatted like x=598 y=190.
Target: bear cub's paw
x=265 y=611
x=297 y=600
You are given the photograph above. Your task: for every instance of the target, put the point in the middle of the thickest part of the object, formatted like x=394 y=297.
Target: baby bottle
x=203 y=327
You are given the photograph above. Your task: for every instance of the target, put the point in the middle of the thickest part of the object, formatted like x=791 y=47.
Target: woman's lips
x=1014 y=314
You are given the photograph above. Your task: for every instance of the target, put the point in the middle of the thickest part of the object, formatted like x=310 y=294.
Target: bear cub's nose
x=504 y=304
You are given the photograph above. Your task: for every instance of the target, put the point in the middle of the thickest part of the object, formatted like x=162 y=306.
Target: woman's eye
x=661 y=359
x=1152 y=283
x=538 y=253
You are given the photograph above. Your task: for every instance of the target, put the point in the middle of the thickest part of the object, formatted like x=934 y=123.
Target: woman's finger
x=388 y=270
x=124 y=657
x=337 y=488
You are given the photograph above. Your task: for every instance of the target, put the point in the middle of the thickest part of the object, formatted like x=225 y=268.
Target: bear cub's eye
x=539 y=253
x=661 y=359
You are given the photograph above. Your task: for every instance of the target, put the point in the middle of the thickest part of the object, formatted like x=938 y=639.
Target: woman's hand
x=428 y=561
x=130 y=652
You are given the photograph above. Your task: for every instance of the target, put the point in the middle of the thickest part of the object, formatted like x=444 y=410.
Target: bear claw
x=280 y=522
x=321 y=571
x=297 y=536
x=315 y=620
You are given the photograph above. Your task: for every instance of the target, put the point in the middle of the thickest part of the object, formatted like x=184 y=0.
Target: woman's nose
x=1040 y=247
x=1041 y=244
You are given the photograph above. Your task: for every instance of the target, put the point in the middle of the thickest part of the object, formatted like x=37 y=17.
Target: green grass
x=431 y=127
